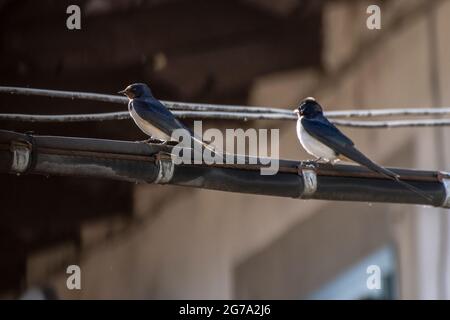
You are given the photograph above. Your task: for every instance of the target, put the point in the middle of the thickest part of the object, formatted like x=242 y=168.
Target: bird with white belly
x=320 y=138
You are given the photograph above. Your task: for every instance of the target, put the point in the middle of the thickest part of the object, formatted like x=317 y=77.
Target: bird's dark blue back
x=153 y=111
x=323 y=130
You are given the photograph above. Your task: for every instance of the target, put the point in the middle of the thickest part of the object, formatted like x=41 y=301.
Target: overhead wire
x=185 y=110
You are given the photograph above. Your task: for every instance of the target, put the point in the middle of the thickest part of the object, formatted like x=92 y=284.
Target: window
x=352 y=284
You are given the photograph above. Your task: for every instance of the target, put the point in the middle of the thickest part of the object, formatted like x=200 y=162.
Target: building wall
x=205 y=244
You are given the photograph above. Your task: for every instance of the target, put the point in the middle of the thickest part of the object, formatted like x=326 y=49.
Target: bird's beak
x=122 y=91
x=296 y=111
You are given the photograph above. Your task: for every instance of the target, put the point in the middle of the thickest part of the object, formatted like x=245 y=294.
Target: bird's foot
x=333 y=162
x=307 y=164
x=310 y=163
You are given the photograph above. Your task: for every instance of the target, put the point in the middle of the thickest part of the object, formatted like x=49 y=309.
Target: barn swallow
x=149 y=114
x=153 y=118
x=320 y=138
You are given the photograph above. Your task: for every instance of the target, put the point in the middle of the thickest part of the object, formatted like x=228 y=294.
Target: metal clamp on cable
x=21 y=156
x=309 y=182
x=446 y=183
x=166 y=169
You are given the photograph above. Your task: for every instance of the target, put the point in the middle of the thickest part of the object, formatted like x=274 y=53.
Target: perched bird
x=149 y=114
x=320 y=138
x=154 y=119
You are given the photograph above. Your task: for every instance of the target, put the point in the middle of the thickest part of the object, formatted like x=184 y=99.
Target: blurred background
x=164 y=242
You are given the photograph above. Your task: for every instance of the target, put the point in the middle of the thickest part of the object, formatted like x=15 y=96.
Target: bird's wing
x=157 y=114
x=327 y=133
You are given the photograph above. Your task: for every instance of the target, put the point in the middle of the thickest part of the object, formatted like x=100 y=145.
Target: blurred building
x=164 y=242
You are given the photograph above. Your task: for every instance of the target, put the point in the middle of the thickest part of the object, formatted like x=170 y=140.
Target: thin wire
x=122 y=100
x=284 y=114
x=394 y=123
x=223 y=116
x=387 y=112
x=209 y=111
x=125 y=115
x=63 y=94
x=65 y=118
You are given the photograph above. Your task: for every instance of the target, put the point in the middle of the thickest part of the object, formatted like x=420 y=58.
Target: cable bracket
x=21 y=152
x=309 y=182
x=446 y=183
x=166 y=169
